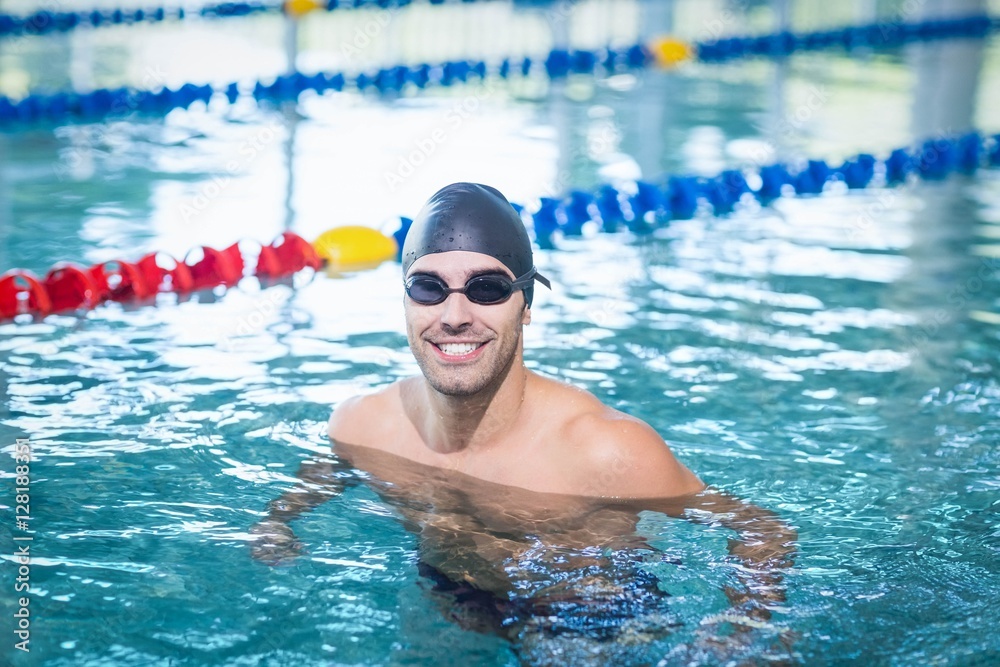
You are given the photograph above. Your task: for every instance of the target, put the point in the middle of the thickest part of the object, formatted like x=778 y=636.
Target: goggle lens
x=484 y=290
x=488 y=289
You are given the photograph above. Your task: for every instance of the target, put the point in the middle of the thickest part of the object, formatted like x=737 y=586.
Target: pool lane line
x=640 y=208
x=105 y=103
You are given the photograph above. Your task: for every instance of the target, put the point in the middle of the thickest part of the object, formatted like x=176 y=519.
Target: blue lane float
x=93 y=105
x=886 y=33
x=44 y=22
x=558 y=64
x=119 y=102
x=643 y=206
x=880 y=35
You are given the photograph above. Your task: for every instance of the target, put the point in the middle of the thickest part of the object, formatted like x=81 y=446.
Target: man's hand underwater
x=275 y=543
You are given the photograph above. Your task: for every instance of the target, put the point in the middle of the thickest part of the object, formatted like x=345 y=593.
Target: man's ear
x=526 y=315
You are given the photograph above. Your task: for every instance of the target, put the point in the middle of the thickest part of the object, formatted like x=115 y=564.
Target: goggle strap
x=533 y=274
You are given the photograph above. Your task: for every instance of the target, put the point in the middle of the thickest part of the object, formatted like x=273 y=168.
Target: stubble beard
x=465 y=381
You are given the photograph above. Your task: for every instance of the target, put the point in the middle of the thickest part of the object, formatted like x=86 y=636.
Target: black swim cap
x=473 y=217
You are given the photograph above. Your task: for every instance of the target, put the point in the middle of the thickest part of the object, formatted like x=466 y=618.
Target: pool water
x=832 y=359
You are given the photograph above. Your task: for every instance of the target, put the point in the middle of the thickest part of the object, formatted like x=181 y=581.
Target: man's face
x=462 y=347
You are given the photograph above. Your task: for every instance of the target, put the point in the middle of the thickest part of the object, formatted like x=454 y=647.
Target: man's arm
x=321 y=478
x=764 y=547
x=630 y=461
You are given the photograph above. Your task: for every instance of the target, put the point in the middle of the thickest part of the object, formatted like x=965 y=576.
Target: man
x=519 y=486
x=469 y=277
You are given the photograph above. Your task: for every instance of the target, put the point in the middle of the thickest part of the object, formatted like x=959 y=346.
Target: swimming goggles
x=485 y=290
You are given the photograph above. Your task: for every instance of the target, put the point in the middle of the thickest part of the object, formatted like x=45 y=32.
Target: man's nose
x=456 y=311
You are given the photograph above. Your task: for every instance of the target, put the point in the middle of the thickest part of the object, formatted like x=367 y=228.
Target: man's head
x=476 y=218
x=466 y=260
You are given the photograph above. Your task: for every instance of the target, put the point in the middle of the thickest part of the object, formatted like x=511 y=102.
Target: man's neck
x=474 y=423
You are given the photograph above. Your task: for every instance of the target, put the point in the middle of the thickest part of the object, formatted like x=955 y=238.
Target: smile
x=459 y=350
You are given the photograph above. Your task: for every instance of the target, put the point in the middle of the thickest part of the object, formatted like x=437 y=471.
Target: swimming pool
x=830 y=358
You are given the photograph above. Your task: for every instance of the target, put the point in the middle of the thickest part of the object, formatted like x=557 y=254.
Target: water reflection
x=563 y=578
x=947 y=74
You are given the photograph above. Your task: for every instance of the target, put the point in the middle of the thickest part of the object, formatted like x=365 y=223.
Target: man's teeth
x=457 y=349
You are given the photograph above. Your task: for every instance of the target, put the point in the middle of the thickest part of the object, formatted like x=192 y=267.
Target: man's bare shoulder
x=611 y=454
x=625 y=457
x=368 y=419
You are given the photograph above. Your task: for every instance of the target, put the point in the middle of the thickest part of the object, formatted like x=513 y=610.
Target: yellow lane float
x=354 y=248
x=299 y=8
x=669 y=51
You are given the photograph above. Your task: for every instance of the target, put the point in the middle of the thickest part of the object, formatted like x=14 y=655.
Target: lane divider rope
x=641 y=209
x=105 y=103
x=45 y=22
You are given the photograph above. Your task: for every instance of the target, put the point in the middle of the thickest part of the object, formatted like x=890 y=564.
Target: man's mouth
x=458 y=349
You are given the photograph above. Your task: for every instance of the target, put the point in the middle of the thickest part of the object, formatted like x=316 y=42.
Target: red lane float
x=216 y=267
x=119 y=281
x=69 y=287
x=163 y=273
x=21 y=292
x=288 y=254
